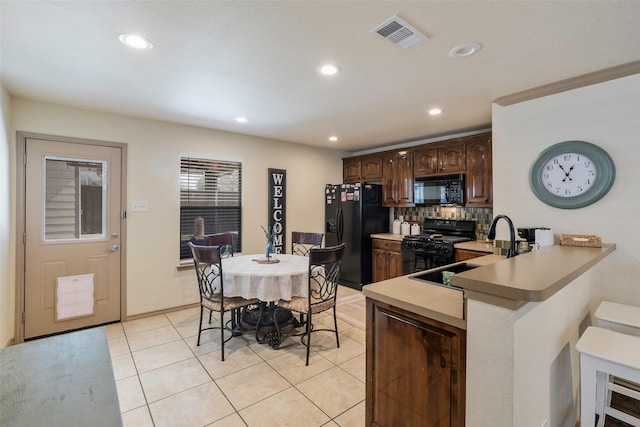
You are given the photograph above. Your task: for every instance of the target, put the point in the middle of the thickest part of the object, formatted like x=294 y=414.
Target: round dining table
x=249 y=276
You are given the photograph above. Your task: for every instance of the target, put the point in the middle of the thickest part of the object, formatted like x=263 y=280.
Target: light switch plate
x=140 y=206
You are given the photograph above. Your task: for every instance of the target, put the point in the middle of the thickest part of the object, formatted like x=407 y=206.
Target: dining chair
x=208 y=265
x=302 y=242
x=324 y=272
x=224 y=240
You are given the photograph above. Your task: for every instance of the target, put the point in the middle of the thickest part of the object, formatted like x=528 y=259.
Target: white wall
x=545 y=379
x=7 y=272
x=154 y=150
x=606 y=114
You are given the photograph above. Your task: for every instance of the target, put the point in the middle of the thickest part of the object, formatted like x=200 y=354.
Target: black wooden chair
x=208 y=265
x=302 y=242
x=224 y=240
x=324 y=272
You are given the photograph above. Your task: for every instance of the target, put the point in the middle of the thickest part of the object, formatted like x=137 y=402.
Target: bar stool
x=603 y=354
x=618 y=317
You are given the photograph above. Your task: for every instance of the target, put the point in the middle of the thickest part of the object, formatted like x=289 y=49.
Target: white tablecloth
x=268 y=282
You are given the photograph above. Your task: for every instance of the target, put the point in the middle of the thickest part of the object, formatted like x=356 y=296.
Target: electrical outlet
x=140 y=206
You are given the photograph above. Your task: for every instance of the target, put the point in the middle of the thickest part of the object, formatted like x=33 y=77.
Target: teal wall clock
x=572 y=174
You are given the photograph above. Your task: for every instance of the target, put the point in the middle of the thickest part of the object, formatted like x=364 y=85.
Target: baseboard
x=157 y=312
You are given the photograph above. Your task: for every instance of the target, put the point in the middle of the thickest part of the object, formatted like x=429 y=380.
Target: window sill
x=185 y=264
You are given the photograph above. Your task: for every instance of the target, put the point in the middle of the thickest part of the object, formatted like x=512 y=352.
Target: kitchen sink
x=435 y=276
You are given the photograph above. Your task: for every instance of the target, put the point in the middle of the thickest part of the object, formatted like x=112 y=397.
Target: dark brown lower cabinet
x=415 y=369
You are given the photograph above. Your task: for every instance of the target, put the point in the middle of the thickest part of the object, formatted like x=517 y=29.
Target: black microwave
x=439 y=190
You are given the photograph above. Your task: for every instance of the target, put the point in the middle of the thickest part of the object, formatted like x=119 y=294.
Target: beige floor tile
x=118 y=346
x=186 y=321
x=139 y=417
x=235 y=359
x=354 y=417
x=356 y=334
x=267 y=353
x=357 y=367
x=161 y=355
x=152 y=338
x=172 y=379
x=123 y=366
x=145 y=324
x=184 y=317
x=352 y=314
x=246 y=387
x=210 y=341
x=291 y=365
x=287 y=408
x=114 y=330
x=175 y=382
x=348 y=349
x=130 y=394
x=327 y=322
x=334 y=391
x=232 y=420
x=346 y=291
x=198 y=406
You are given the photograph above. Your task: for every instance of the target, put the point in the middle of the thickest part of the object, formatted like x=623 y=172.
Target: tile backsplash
x=482 y=216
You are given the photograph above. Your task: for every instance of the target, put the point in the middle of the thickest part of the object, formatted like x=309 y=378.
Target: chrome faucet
x=491 y=234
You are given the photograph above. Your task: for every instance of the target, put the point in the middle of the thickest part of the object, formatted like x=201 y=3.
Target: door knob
x=114 y=248
x=114 y=235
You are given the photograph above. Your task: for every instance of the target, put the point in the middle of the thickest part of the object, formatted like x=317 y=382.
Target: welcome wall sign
x=278 y=208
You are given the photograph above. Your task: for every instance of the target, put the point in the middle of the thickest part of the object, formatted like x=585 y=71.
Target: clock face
x=569 y=174
x=572 y=174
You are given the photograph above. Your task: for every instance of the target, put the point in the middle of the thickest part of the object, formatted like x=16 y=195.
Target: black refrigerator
x=352 y=213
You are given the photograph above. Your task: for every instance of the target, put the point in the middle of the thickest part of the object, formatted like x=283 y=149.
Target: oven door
x=415 y=257
x=408 y=257
x=426 y=260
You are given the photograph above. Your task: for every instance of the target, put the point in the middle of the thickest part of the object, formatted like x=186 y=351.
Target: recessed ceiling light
x=241 y=119
x=135 y=41
x=435 y=111
x=329 y=69
x=333 y=138
x=464 y=50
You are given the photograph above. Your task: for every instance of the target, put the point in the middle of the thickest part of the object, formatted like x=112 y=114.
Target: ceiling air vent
x=400 y=33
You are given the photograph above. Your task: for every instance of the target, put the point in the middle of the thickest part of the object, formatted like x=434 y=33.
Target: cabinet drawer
x=389 y=245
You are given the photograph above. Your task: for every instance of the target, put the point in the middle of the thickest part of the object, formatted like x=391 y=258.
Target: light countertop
x=531 y=277
x=388 y=236
x=434 y=302
x=476 y=245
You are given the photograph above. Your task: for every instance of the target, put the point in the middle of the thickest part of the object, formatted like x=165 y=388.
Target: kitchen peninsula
x=505 y=340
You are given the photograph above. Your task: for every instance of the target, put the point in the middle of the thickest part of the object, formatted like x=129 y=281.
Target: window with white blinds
x=210 y=201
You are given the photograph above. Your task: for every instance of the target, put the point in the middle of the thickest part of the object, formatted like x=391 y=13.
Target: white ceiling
x=215 y=60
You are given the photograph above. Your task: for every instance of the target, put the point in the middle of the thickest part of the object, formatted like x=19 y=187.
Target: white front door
x=72 y=254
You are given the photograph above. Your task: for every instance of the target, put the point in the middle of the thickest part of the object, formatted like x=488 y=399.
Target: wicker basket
x=585 y=240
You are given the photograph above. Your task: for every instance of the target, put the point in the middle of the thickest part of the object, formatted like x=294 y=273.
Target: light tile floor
x=164 y=379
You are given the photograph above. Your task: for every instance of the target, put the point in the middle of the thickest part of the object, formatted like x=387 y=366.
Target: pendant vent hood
x=400 y=33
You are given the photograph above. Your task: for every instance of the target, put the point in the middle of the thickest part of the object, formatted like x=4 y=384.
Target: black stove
x=434 y=247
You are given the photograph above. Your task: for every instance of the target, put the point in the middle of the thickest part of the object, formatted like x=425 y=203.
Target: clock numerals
x=568 y=175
